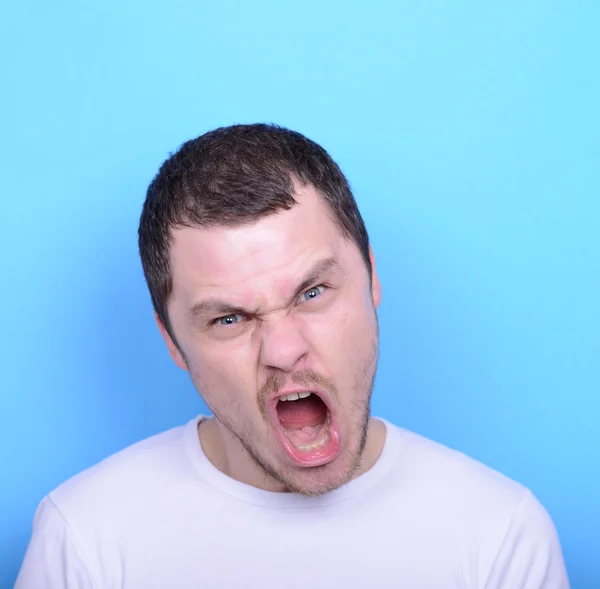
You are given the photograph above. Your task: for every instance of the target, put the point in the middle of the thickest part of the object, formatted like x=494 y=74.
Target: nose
x=282 y=344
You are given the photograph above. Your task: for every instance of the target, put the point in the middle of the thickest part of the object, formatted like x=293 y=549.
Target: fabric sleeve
x=54 y=559
x=530 y=556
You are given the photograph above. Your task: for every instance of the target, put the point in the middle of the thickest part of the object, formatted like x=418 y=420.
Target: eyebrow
x=320 y=271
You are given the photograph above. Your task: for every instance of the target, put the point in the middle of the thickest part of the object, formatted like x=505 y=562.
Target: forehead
x=243 y=259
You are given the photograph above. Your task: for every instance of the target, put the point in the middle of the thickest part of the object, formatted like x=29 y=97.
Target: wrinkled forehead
x=264 y=254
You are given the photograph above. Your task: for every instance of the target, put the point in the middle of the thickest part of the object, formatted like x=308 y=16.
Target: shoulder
x=433 y=465
x=88 y=523
x=478 y=510
x=448 y=487
x=139 y=474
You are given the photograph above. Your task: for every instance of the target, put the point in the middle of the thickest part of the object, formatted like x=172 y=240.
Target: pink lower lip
x=316 y=457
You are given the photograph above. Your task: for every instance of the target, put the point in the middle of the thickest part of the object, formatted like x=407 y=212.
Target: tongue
x=309 y=411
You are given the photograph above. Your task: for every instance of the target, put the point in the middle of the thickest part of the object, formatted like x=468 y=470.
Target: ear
x=174 y=351
x=375 y=284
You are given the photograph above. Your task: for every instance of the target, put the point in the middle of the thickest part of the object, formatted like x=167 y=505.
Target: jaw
x=309 y=474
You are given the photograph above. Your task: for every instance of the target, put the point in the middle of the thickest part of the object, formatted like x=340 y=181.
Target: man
x=265 y=290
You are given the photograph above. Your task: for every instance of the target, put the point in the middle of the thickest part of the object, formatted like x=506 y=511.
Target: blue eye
x=311 y=293
x=229 y=320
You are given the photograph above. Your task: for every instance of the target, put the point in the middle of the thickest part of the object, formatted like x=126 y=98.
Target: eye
x=228 y=320
x=311 y=293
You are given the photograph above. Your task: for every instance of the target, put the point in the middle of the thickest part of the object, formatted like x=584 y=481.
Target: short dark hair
x=233 y=176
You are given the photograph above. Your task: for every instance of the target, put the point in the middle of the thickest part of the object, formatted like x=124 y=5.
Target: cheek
x=223 y=372
x=345 y=333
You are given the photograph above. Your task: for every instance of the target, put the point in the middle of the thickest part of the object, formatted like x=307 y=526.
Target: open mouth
x=306 y=428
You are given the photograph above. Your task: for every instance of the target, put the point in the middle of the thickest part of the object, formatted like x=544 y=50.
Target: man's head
x=260 y=272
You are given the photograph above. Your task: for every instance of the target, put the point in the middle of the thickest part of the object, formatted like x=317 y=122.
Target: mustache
x=305 y=378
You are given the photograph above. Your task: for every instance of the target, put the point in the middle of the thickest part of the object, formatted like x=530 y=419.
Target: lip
x=317 y=458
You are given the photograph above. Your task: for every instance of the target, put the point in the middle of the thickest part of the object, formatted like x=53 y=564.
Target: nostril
x=283 y=352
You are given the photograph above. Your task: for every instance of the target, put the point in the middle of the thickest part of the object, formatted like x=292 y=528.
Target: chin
x=319 y=480
x=313 y=481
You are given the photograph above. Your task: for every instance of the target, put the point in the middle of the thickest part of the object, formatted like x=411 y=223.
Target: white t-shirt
x=159 y=515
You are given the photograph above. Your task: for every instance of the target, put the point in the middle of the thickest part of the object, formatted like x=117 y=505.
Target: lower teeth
x=319 y=443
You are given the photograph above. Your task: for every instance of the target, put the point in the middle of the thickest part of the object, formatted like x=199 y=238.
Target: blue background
x=470 y=133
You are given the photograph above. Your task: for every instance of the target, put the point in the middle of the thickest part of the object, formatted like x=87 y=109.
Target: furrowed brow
x=216 y=307
x=319 y=272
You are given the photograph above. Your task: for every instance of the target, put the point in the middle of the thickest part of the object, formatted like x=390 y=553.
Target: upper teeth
x=294 y=396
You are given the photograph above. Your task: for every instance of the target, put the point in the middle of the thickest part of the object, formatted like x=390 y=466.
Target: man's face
x=283 y=306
